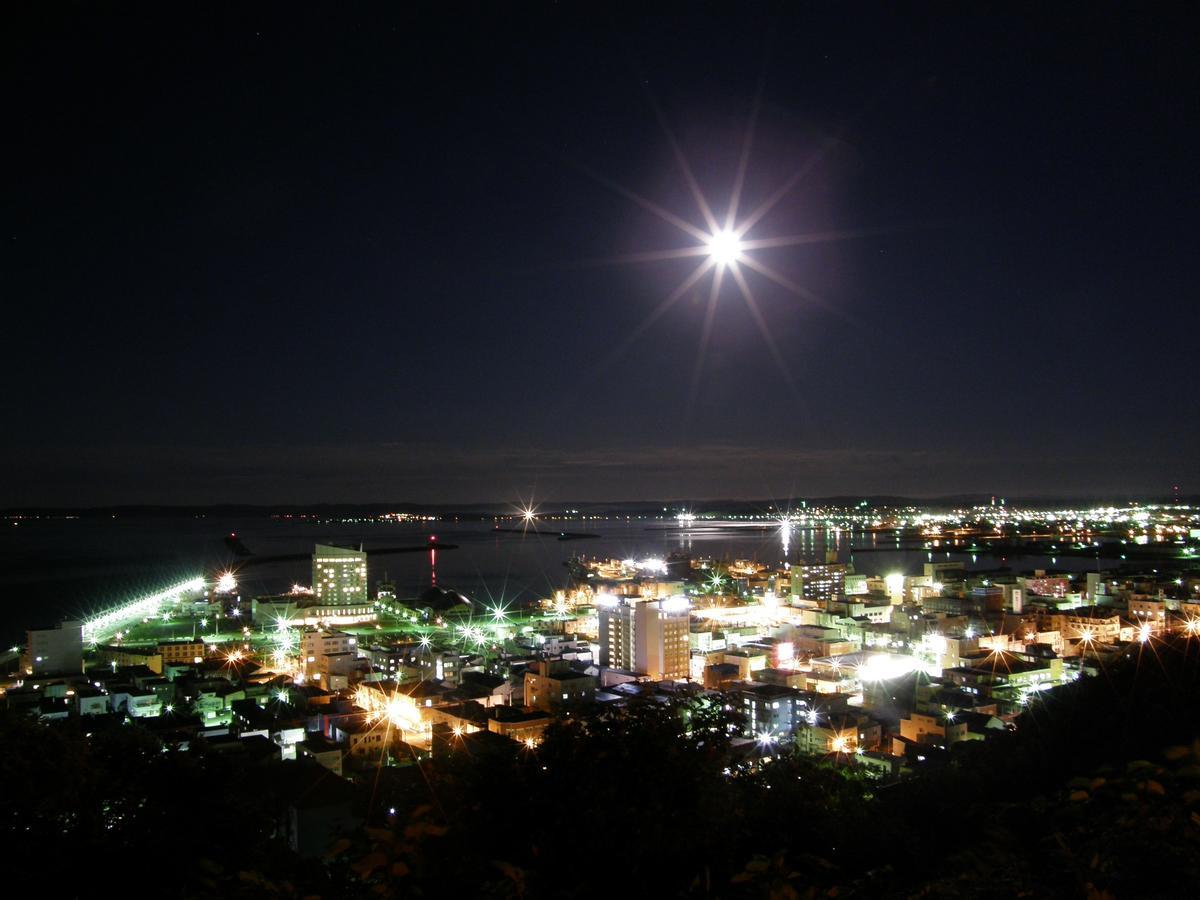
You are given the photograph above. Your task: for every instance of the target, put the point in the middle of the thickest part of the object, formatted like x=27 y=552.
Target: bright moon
x=724 y=247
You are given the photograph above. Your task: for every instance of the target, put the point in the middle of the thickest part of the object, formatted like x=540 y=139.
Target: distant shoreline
x=665 y=509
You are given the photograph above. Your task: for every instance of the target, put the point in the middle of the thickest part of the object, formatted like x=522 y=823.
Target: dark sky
x=279 y=255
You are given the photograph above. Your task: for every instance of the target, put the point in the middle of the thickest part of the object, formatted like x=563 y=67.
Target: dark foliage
x=1097 y=793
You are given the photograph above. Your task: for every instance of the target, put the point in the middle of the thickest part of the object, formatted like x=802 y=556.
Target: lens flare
x=724 y=247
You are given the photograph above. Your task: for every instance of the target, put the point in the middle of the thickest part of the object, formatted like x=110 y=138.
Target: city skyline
x=327 y=259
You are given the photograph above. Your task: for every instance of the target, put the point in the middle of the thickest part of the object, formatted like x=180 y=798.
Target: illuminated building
x=182 y=652
x=872 y=610
x=489 y=690
x=1004 y=677
x=649 y=636
x=979 y=601
x=54 y=650
x=441 y=665
x=523 y=726
x=208 y=701
x=819 y=581
x=1097 y=587
x=923 y=730
x=846 y=733
x=940 y=651
x=339 y=576
x=92 y=702
x=555 y=684
x=792 y=678
x=407 y=707
x=1042 y=586
x=363 y=736
x=1150 y=611
x=462 y=718
x=315 y=645
x=820 y=640
x=855 y=585
x=399 y=662
x=337 y=670
x=617 y=626
x=295 y=610
x=1089 y=624
x=747 y=660
x=772 y=711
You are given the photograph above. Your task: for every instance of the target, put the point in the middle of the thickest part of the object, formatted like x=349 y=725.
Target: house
x=363 y=736
x=555 y=684
x=771 y=711
x=322 y=750
x=840 y=733
x=523 y=725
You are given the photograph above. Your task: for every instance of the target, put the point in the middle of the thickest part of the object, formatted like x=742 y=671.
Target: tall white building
x=644 y=635
x=317 y=644
x=54 y=650
x=339 y=575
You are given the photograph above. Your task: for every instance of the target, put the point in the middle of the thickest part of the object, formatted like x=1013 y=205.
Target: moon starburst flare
x=724 y=249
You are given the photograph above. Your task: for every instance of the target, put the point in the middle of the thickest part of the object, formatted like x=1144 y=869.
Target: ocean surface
x=56 y=568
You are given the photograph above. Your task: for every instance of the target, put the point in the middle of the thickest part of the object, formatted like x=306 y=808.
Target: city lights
x=677 y=603
x=651 y=564
x=100 y=627
x=757 y=621
x=844 y=346
x=831 y=661
x=895 y=584
x=887 y=667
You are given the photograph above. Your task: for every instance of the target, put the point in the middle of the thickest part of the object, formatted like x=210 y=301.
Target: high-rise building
x=643 y=635
x=616 y=632
x=339 y=575
x=317 y=644
x=819 y=581
x=54 y=650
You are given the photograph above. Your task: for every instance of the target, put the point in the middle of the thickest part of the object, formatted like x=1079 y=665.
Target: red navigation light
x=432 y=538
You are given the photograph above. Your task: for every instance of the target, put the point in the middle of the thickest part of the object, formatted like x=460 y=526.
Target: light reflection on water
x=54 y=568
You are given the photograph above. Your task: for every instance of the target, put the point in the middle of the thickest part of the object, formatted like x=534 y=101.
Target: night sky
x=279 y=255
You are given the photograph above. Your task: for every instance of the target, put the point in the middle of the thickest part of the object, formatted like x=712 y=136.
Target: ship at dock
x=676 y=566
